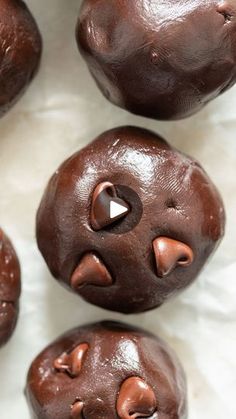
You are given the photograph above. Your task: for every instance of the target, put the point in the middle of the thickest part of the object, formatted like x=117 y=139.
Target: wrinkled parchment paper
x=60 y=113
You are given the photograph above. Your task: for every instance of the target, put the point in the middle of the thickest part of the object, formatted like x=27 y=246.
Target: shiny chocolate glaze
x=20 y=51
x=122 y=372
x=10 y=287
x=160 y=59
x=137 y=262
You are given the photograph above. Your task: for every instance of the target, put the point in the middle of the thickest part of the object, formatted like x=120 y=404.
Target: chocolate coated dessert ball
x=160 y=59
x=129 y=221
x=9 y=288
x=20 y=51
x=107 y=371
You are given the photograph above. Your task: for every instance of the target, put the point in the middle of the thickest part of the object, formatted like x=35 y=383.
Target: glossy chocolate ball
x=20 y=51
x=163 y=60
x=129 y=221
x=10 y=287
x=107 y=371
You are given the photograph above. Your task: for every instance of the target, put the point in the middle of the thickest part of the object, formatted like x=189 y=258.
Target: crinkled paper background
x=60 y=113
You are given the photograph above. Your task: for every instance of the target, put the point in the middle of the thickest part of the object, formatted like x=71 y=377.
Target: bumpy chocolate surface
x=161 y=59
x=130 y=254
x=121 y=372
x=9 y=288
x=20 y=51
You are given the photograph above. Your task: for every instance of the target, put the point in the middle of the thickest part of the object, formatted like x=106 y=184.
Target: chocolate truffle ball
x=9 y=288
x=20 y=51
x=107 y=371
x=129 y=221
x=160 y=59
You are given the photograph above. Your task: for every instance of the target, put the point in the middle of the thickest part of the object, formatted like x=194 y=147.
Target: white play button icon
x=116 y=210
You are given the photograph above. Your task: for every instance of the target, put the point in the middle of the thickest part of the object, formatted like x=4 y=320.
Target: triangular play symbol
x=116 y=210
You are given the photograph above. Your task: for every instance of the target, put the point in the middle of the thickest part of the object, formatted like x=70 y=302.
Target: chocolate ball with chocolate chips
x=20 y=51
x=107 y=371
x=10 y=287
x=159 y=59
x=129 y=221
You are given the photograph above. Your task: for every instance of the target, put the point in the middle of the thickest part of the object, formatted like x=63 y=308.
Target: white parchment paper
x=60 y=113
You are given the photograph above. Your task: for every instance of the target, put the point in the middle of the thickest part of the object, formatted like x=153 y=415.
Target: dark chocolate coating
x=163 y=60
x=152 y=252
x=20 y=51
x=10 y=287
x=122 y=372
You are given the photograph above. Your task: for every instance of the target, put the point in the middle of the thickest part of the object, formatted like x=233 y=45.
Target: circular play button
x=115 y=208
